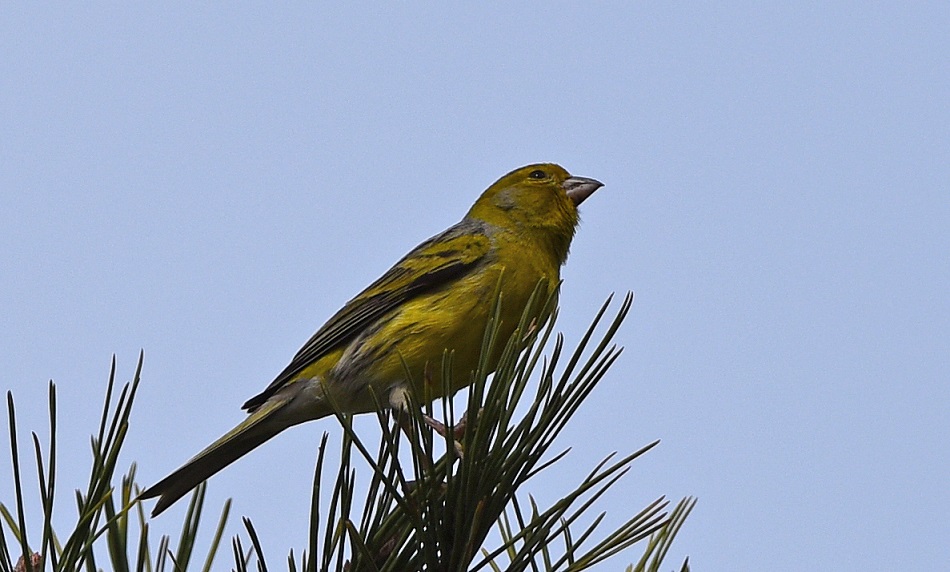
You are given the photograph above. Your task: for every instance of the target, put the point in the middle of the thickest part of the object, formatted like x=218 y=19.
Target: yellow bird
x=437 y=299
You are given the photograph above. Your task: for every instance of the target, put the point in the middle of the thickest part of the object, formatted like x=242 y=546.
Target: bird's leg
x=442 y=430
x=462 y=425
x=436 y=425
x=457 y=431
x=405 y=425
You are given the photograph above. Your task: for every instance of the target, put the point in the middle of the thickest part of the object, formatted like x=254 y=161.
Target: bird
x=435 y=301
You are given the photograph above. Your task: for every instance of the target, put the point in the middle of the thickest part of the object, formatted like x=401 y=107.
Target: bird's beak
x=579 y=188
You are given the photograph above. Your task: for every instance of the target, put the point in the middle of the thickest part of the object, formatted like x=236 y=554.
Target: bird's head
x=538 y=201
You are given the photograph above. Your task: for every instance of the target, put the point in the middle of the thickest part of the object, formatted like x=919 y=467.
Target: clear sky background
x=210 y=184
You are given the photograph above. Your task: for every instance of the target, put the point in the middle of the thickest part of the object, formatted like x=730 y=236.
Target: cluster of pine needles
x=433 y=501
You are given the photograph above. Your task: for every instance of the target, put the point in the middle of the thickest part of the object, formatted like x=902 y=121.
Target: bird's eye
x=537 y=174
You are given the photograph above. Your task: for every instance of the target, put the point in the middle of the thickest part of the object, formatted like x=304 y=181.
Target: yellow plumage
x=437 y=299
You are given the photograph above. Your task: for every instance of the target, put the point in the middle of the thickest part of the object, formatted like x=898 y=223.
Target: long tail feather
x=257 y=428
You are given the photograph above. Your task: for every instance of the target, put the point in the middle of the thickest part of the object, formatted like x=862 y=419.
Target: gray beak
x=579 y=188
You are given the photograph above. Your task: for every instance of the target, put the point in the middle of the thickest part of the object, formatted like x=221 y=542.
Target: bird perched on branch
x=437 y=299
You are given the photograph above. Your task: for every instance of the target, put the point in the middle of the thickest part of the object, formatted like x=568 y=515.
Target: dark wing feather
x=434 y=263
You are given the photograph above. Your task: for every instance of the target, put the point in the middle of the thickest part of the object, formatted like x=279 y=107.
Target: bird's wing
x=434 y=263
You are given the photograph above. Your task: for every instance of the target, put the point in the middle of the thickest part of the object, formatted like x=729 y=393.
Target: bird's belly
x=434 y=328
x=412 y=344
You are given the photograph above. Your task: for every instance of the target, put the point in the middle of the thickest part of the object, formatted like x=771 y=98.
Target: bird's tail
x=257 y=428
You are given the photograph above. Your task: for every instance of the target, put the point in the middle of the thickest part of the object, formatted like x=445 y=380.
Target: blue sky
x=210 y=183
